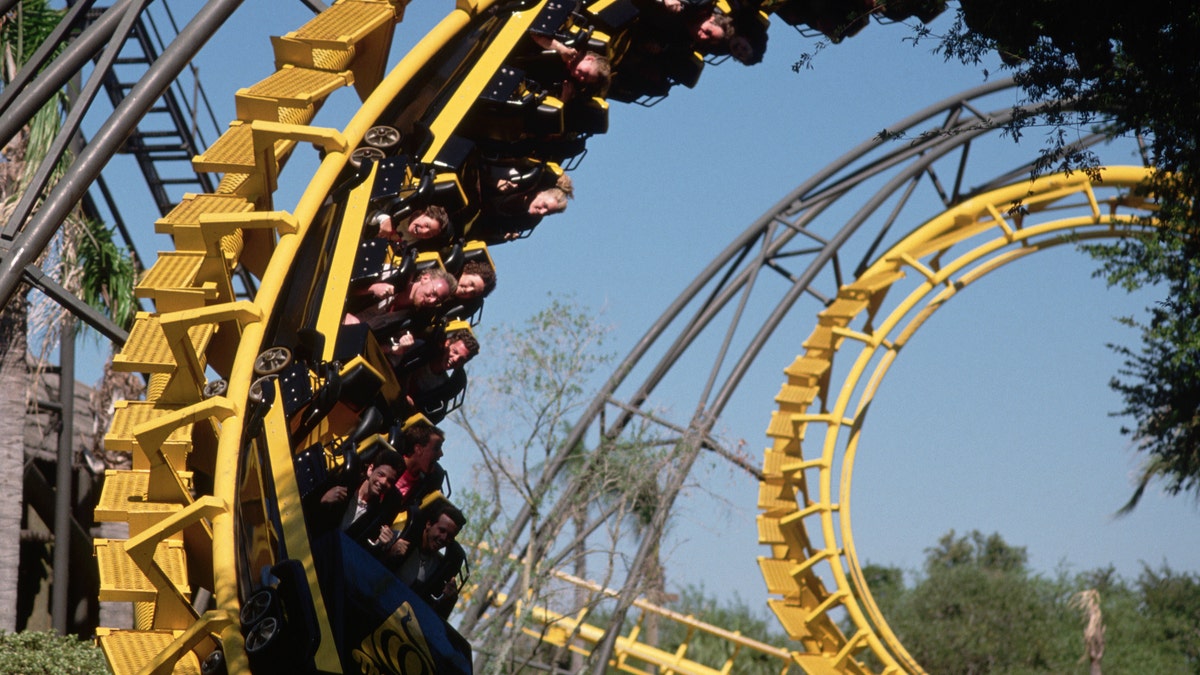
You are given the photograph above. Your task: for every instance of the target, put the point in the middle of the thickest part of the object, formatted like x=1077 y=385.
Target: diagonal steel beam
x=85 y=312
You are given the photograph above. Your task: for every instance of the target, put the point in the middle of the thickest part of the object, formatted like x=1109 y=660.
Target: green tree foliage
x=979 y=611
x=1171 y=601
x=107 y=273
x=553 y=506
x=1127 y=69
x=35 y=653
x=976 y=608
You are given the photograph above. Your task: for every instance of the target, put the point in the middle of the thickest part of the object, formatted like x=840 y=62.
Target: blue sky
x=995 y=418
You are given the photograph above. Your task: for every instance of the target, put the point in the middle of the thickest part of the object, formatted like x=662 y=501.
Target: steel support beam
x=83 y=311
x=63 y=483
x=58 y=148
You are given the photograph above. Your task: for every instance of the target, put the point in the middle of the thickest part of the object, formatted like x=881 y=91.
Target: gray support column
x=63 y=481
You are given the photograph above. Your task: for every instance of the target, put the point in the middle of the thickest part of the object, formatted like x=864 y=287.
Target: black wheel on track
x=260 y=605
x=364 y=154
x=263 y=636
x=381 y=136
x=215 y=388
x=272 y=361
x=257 y=388
x=214 y=664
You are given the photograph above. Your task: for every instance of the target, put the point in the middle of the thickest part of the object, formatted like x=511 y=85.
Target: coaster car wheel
x=262 y=604
x=381 y=136
x=258 y=387
x=364 y=154
x=263 y=636
x=214 y=664
x=215 y=388
x=272 y=361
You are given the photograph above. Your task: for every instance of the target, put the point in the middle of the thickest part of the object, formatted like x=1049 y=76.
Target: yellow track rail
x=178 y=541
x=813 y=570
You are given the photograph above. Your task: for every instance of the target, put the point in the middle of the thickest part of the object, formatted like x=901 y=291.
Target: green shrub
x=34 y=653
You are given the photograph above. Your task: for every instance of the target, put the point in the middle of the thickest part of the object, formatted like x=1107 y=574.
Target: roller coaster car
x=433 y=387
x=332 y=400
x=322 y=466
x=497 y=229
x=310 y=605
x=556 y=20
x=835 y=19
x=380 y=265
x=382 y=623
x=453 y=564
x=586 y=115
x=439 y=399
x=403 y=187
x=402 y=183
x=377 y=261
x=613 y=16
x=513 y=107
x=900 y=10
x=647 y=78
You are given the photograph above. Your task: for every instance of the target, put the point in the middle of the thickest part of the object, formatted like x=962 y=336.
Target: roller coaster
x=258 y=407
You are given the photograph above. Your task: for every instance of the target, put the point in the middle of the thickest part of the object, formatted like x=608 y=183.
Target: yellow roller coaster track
x=813 y=568
x=190 y=490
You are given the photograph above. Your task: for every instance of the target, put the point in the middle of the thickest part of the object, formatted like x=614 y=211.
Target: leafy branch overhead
x=1118 y=69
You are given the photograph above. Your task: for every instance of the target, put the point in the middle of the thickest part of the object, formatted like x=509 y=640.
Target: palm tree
x=1088 y=603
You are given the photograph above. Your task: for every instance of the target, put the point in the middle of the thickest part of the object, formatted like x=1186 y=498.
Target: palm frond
x=108 y=273
x=22 y=31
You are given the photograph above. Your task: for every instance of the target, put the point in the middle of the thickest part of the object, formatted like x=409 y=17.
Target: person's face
x=429 y=291
x=740 y=49
x=439 y=533
x=454 y=355
x=545 y=203
x=424 y=227
x=586 y=70
x=709 y=32
x=470 y=286
x=425 y=454
x=379 y=478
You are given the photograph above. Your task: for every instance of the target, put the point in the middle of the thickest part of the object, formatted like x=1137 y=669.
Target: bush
x=34 y=653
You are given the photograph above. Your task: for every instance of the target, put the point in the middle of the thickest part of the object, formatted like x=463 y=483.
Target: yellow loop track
x=805 y=518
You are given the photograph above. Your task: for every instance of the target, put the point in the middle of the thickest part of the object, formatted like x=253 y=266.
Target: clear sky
x=995 y=418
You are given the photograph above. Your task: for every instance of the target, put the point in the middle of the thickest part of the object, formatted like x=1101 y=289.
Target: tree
x=1129 y=70
x=534 y=487
x=982 y=609
x=976 y=608
x=21 y=31
x=1171 y=600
